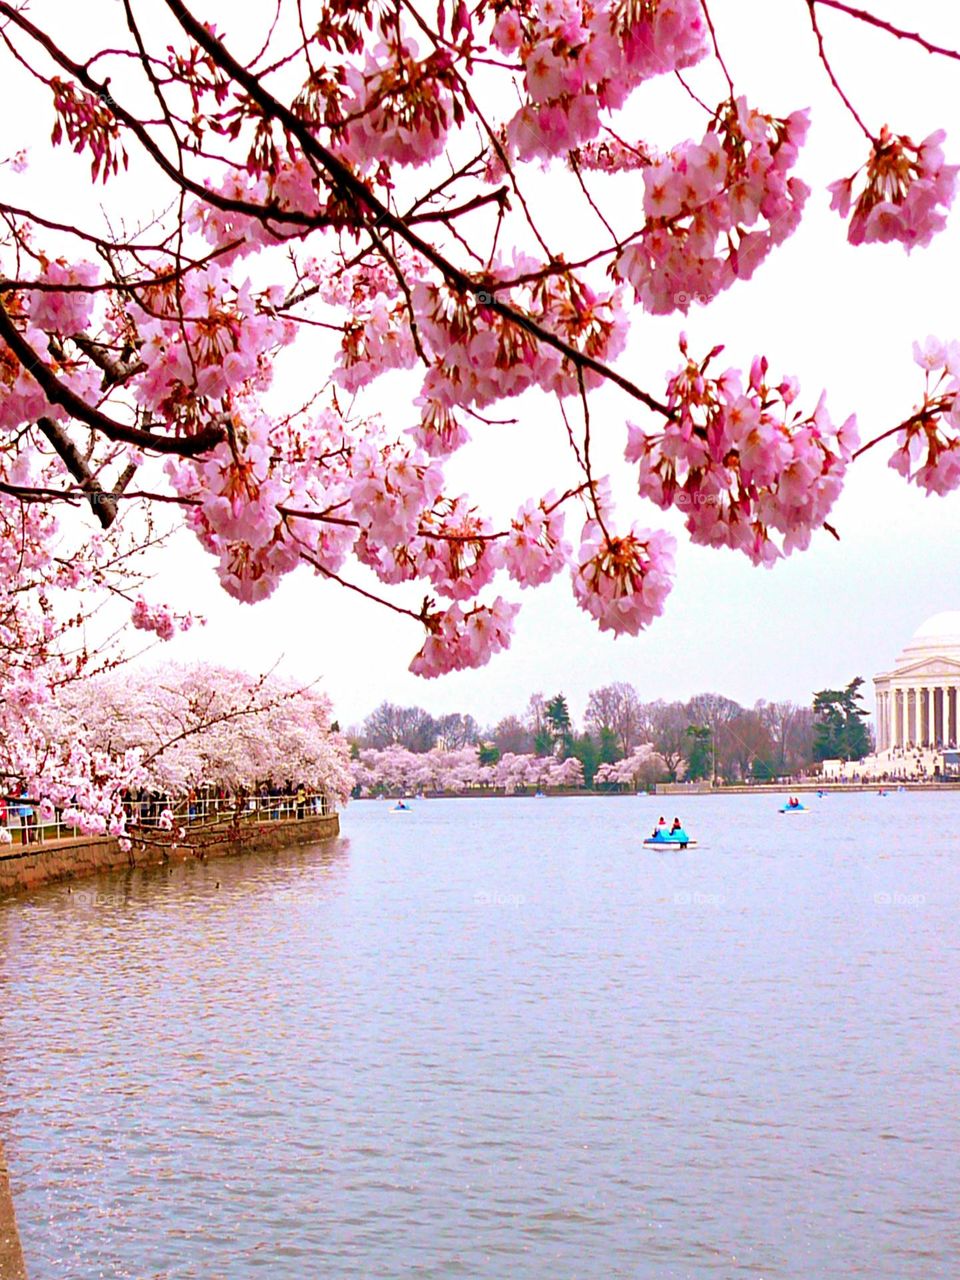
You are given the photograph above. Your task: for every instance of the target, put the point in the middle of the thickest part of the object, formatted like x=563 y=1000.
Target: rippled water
x=497 y=1039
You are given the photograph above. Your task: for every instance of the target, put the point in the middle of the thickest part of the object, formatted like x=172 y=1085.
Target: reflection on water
x=496 y=1038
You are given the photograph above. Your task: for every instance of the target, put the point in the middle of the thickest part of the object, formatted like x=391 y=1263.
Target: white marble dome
x=939 y=635
x=918 y=702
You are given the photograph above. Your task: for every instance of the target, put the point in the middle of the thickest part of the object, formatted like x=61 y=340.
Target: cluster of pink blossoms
x=458 y=639
x=907 y=189
x=581 y=58
x=456 y=551
x=927 y=454
x=68 y=312
x=478 y=357
x=159 y=619
x=612 y=155
x=22 y=399
x=229 y=330
x=715 y=209
x=399 y=108
x=741 y=463
x=623 y=581
x=291 y=186
x=535 y=550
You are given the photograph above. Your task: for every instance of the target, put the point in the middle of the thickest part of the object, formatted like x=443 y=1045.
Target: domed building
x=918 y=702
x=917 y=722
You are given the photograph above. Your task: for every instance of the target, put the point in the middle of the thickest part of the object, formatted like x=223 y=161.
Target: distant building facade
x=918 y=702
x=917 y=723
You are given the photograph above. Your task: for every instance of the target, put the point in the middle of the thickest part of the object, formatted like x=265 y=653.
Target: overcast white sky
x=837 y=317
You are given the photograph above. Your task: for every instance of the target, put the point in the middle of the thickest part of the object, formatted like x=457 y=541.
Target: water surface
x=496 y=1039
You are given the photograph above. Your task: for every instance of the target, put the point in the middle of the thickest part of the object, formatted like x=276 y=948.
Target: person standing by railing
x=25 y=811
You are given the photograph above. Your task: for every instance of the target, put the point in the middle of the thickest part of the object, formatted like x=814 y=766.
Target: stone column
x=880 y=725
x=929 y=739
x=920 y=695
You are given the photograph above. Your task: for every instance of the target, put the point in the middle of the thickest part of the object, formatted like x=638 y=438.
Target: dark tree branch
x=102 y=505
x=345 y=181
x=58 y=393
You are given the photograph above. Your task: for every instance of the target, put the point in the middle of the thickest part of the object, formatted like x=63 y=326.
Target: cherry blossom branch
x=103 y=505
x=927 y=414
x=811 y=6
x=265 y=213
x=346 y=181
x=716 y=46
x=367 y=595
x=863 y=16
x=58 y=393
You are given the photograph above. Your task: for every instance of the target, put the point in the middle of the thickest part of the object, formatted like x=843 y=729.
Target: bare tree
x=667 y=723
x=616 y=709
x=748 y=740
x=781 y=718
x=715 y=711
x=456 y=730
x=512 y=737
x=409 y=727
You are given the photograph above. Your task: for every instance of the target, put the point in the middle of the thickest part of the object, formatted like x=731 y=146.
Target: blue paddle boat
x=794 y=808
x=664 y=839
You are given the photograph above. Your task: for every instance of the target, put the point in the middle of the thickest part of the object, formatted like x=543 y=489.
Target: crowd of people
x=17 y=810
x=21 y=819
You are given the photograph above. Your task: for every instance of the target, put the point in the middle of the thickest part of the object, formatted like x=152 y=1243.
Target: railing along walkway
x=144 y=816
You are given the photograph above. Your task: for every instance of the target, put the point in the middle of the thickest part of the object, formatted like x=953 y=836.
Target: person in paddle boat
x=793 y=803
x=660 y=830
x=401 y=805
x=678 y=835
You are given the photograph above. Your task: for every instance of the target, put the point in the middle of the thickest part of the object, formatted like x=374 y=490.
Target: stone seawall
x=11 y=1255
x=36 y=865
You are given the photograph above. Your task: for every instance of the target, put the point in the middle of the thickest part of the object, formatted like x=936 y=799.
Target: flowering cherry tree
x=395 y=769
x=201 y=724
x=643 y=766
x=172 y=728
x=366 y=178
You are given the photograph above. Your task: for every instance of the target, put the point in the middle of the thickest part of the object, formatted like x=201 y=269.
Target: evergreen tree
x=609 y=746
x=559 y=725
x=699 y=761
x=841 y=731
x=586 y=749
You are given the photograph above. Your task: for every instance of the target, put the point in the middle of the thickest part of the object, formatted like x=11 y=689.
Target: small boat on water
x=794 y=808
x=666 y=840
x=400 y=807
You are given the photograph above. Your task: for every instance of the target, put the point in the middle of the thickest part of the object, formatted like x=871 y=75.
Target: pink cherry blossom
x=457 y=639
x=741 y=464
x=64 y=313
x=906 y=191
x=623 y=581
x=535 y=550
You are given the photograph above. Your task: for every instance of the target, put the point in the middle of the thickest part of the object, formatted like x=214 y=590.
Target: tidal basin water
x=497 y=1039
